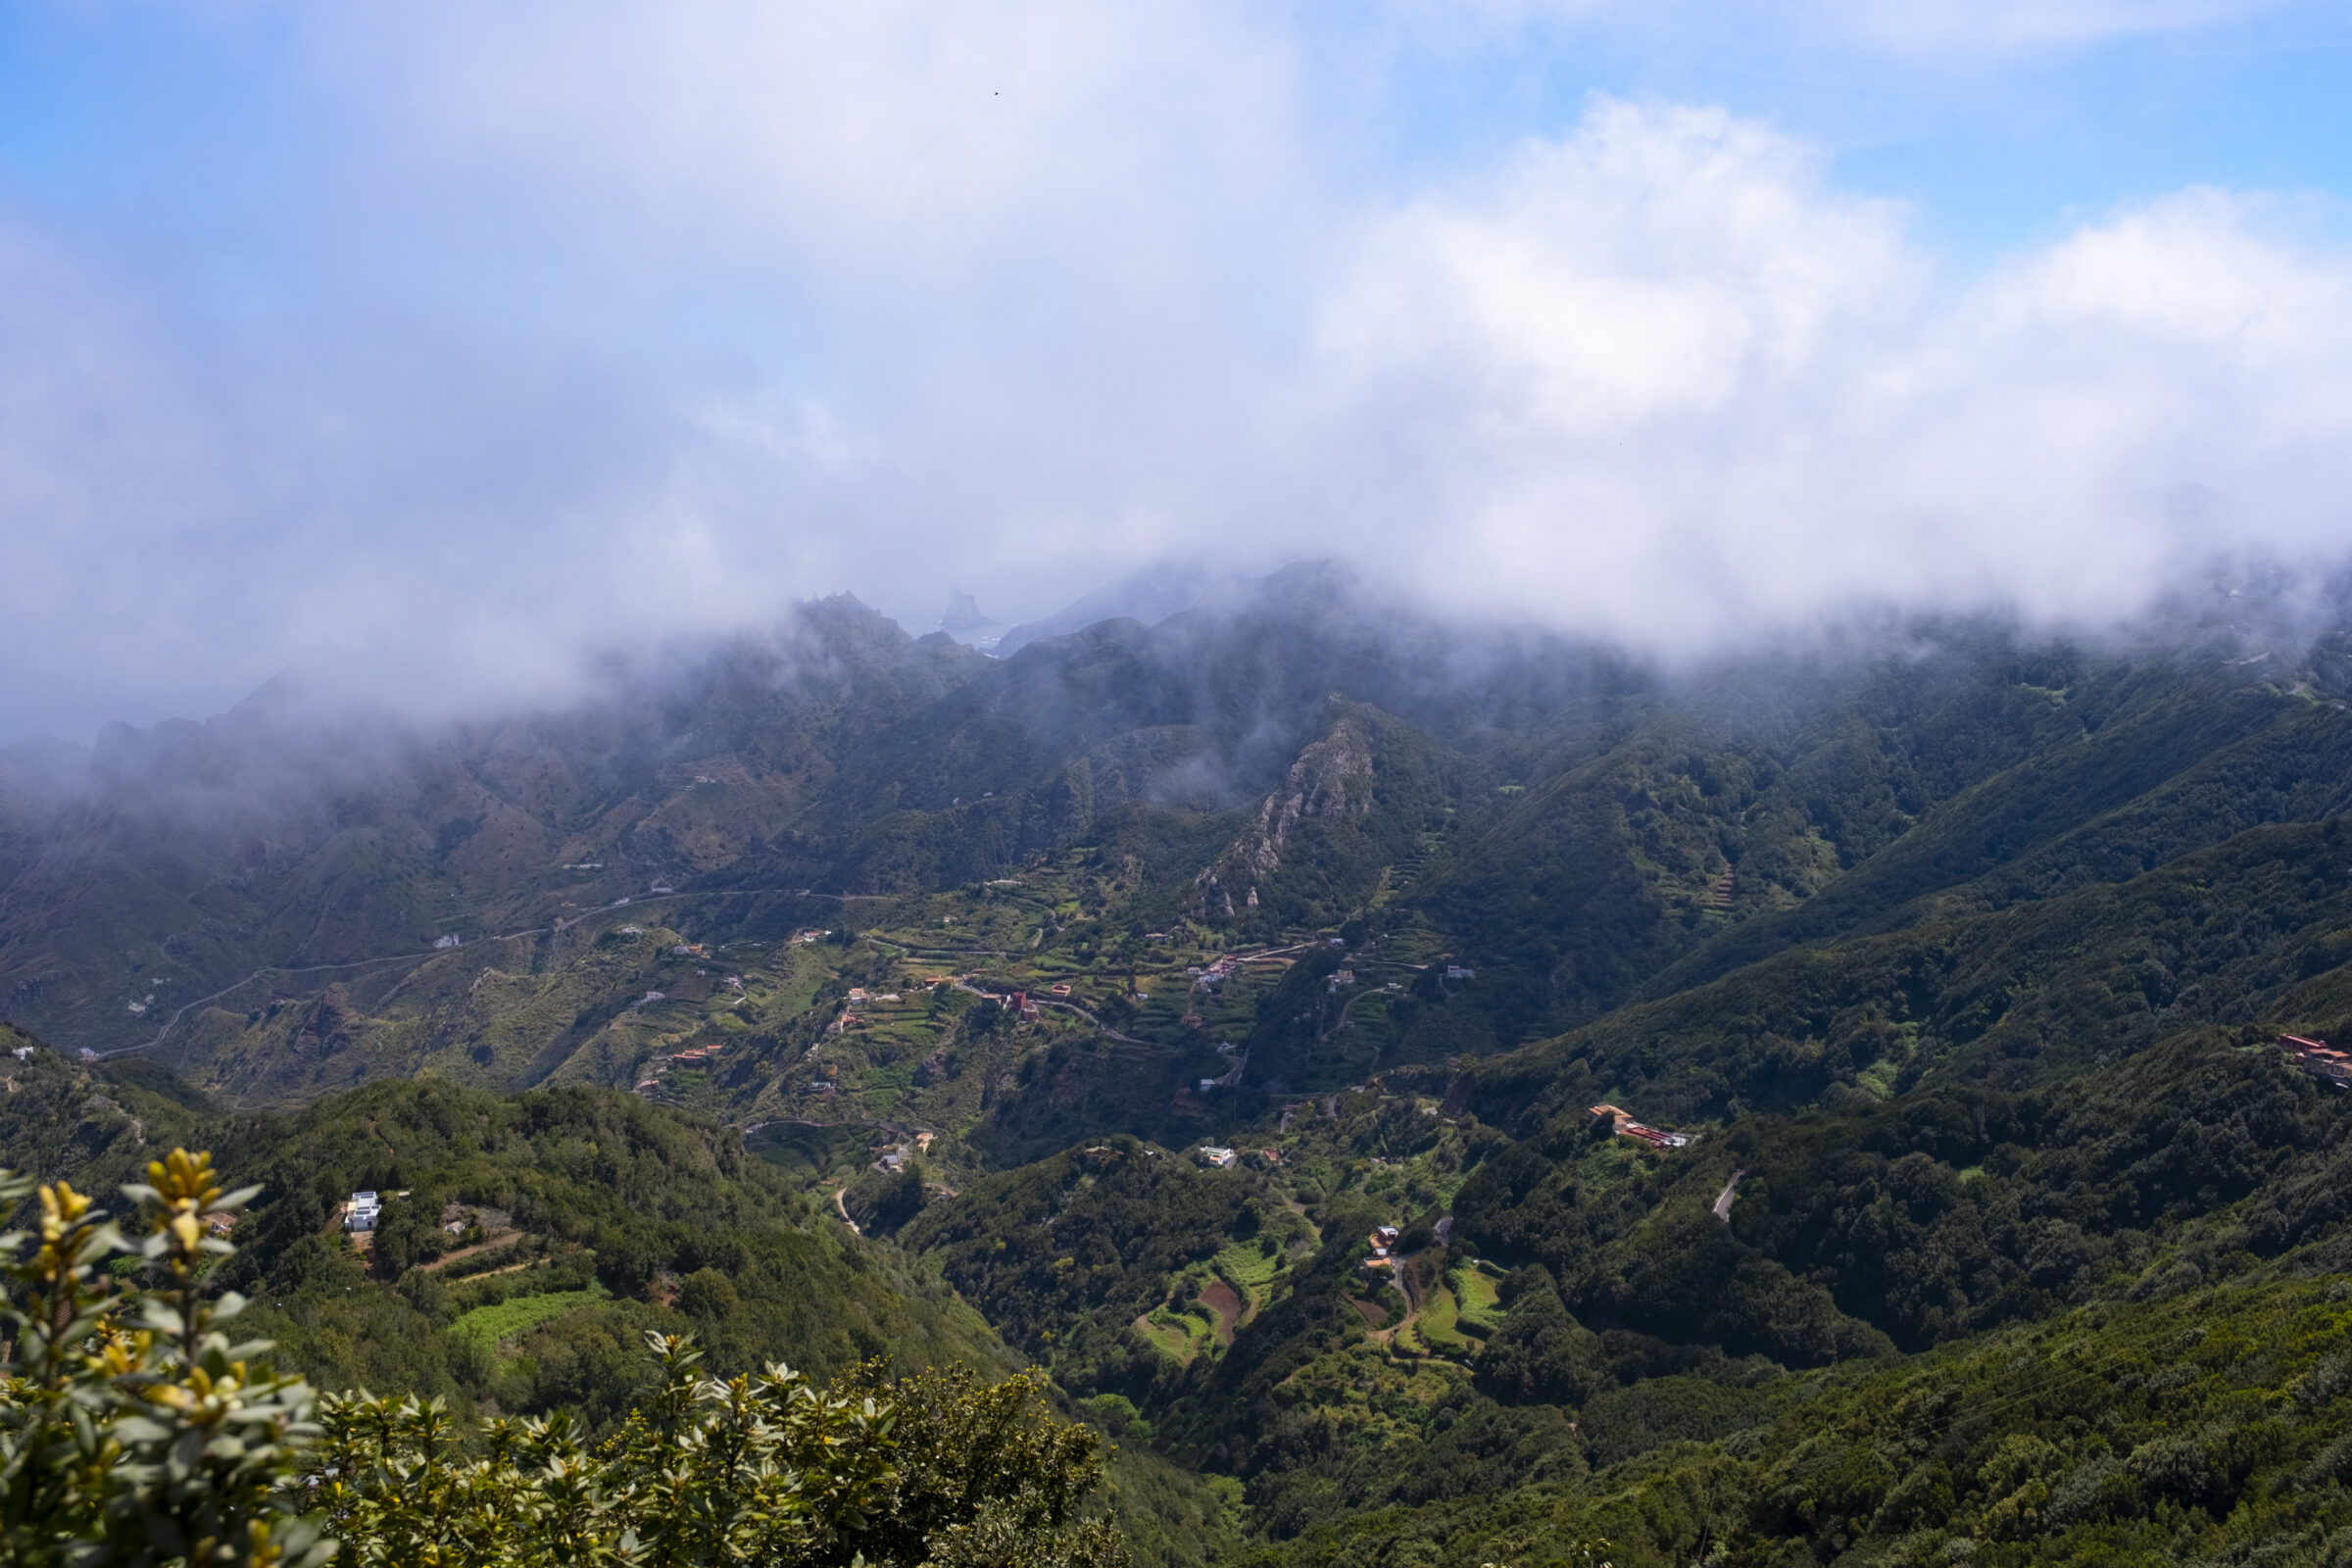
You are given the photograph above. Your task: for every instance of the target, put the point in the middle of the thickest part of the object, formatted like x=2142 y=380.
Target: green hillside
x=1998 y=1229
x=638 y=1217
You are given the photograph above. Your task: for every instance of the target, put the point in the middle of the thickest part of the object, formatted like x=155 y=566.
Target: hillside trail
x=1402 y=1274
x=1341 y=1022
x=501 y=1238
x=1071 y=1007
x=845 y=1213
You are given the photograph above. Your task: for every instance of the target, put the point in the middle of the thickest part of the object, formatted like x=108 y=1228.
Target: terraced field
x=1182 y=1337
x=1251 y=1271
x=1478 y=1297
x=492 y=1326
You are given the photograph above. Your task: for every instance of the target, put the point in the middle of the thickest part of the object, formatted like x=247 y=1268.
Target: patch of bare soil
x=1221 y=1298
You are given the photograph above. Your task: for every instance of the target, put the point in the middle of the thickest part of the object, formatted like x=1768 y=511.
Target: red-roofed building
x=1624 y=1126
x=2318 y=1059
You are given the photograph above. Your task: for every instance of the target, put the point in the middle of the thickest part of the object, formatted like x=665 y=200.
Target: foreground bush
x=133 y=1432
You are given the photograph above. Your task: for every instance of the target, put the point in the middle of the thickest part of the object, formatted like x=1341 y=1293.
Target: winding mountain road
x=1723 y=1199
x=554 y=929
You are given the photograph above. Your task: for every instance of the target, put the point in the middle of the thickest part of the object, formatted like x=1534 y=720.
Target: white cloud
x=607 y=325
x=1646 y=266
x=111 y=480
x=1661 y=378
x=929 y=140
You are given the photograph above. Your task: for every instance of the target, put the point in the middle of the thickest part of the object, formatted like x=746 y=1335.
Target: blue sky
x=195 y=119
x=427 y=348
x=1996 y=145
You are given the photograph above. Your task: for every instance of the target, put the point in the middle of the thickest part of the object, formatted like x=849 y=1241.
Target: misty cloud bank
x=568 y=331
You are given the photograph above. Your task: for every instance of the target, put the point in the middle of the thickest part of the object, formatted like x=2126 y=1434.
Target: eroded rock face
x=1331 y=778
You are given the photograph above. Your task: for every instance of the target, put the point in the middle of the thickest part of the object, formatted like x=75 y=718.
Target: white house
x=1221 y=1159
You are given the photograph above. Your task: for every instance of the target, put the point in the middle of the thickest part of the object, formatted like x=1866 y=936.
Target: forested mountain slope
x=649 y=1219
x=527 y=1246
x=1954 y=958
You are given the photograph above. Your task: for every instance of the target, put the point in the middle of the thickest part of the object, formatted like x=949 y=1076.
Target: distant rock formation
x=966 y=623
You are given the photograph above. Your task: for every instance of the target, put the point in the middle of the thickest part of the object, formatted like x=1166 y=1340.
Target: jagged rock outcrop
x=1332 y=779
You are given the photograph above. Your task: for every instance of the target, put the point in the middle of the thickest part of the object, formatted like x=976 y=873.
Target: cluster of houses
x=657 y=1068
x=1624 y=1126
x=1018 y=1002
x=1383 y=1250
x=1222 y=1158
x=2318 y=1059
x=1206 y=979
x=893 y=1157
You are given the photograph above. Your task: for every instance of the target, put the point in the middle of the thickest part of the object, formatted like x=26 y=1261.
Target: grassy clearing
x=1479 y=1304
x=1178 y=1335
x=491 y=1326
x=1250 y=1271
x=1436 y=1326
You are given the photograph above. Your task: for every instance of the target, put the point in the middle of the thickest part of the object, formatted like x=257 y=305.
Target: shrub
x=132 y=1432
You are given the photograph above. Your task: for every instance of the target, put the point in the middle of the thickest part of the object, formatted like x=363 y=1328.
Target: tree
x=900 y=1200
x=1541 y=1352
